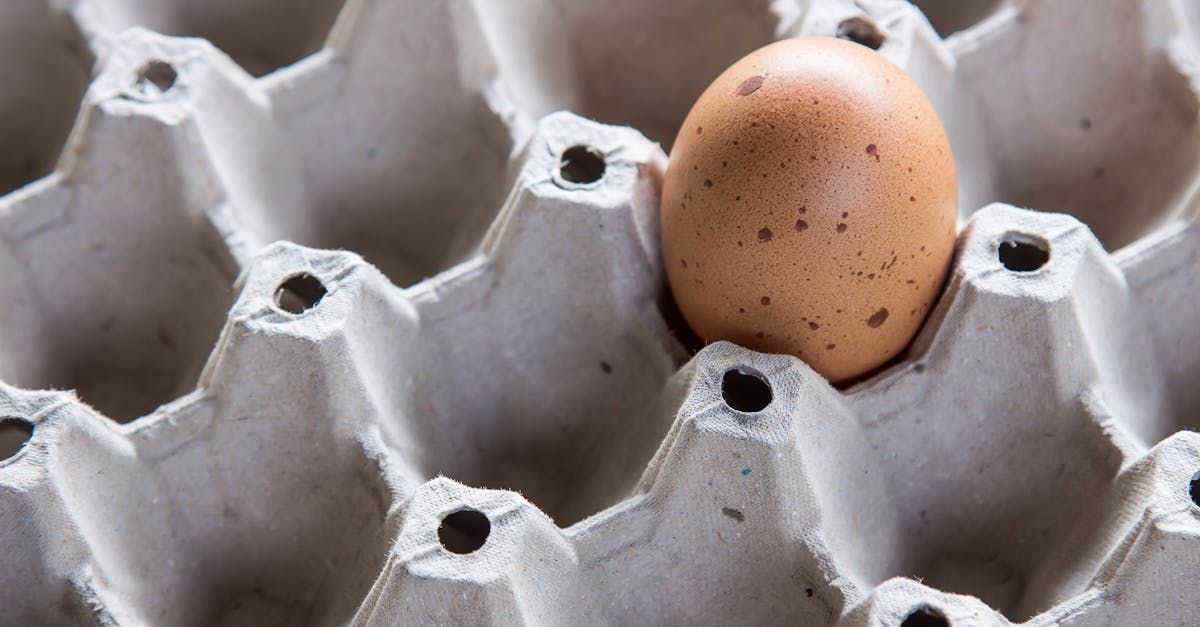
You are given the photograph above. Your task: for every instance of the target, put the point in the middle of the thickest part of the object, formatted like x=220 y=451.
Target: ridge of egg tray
x=809 y=206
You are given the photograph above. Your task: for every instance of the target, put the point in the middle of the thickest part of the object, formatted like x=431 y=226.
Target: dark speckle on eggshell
x=750 y=85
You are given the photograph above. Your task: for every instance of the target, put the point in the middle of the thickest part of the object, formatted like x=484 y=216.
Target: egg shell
x=809 y=206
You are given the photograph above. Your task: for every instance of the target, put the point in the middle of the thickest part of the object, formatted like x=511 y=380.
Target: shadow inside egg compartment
x=693 y=343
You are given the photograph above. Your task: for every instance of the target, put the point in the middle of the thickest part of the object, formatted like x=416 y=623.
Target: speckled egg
x=809 y=206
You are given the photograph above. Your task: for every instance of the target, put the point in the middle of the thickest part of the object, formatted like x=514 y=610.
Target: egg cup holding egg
x=809 y=207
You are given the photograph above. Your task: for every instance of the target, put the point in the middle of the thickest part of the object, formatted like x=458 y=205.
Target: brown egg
x=809 y=206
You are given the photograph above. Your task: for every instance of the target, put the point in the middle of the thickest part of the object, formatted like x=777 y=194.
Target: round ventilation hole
x=861 y=31
x=925 y=616
x=581 y=165
x=299 y=293
x=745 y=390
x=155 y=78
x=1023 y=253
x=465 y=531
x=14 y=434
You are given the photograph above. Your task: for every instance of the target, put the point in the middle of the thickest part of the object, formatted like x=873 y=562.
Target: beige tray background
x=488 y=331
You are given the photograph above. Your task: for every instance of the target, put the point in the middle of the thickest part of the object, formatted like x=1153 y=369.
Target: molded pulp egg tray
x=360 y=330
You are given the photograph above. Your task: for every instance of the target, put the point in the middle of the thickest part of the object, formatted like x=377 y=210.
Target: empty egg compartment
x=184 y=525
x=45 y=66
x=1103 y=126
x=990 y=481
x=118 y=282
x=264 y=497
x=222 y=534
x=628 y=62
x=252 y=538
x=261 y=35
x=564 y=410
x=1002 y=541
x=401 y=136
x=1163 y=271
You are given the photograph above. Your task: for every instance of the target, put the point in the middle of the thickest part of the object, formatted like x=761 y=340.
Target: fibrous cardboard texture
x=351 y=343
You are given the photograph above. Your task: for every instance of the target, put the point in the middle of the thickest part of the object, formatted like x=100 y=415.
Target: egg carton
x=362 y=331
